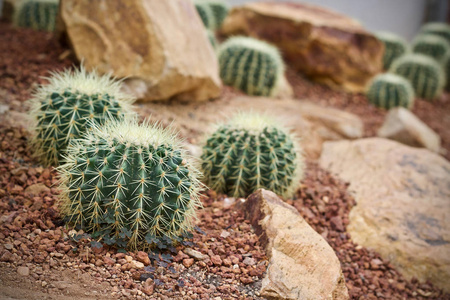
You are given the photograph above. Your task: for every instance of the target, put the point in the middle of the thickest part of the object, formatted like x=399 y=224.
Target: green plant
x=130 y=181
x=250 y=65
x=252 y=152
x=219 y=9
x=447 y=71
x=390 y=90
x=432 y=45
x=395 y=46
x=425 y=74
x=61 y=109
x=212 y=38
x=37 y=14
x=206 y=14
x=441 y=29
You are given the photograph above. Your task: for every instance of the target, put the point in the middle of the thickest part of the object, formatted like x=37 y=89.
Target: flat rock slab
x=301 y=263
x=403 y=203
x=326 y=46
x=312 y=123
x=161 y=47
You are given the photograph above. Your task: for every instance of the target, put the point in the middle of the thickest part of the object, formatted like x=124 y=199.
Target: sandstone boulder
x=403 y=126
x=161 y=47
x=324 y=45
x=301 y=263
x=403 y=203
x=312 y=123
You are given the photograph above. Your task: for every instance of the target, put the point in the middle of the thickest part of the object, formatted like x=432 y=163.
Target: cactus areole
x=252 y=152
x=130 y=180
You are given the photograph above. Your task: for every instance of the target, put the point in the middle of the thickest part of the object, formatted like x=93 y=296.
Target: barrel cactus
x=390 y=90
x=441 y=29
x=250 y=65
x=432 y=45
x=219 y=9
x=212 y=38
x=447 y=71
x=126 y=179
x=61 y=109
x=395 y=46
x=37 y=14
x=425 y=74
x=251 y=152
x=206 y=14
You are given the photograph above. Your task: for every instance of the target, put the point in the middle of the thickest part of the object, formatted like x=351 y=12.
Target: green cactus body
x=441 y=29
x=395 y=46
x=390 y=90
x=447 y=71
x=424 y=73
x=212 y=38
x=432 y=45
x=129 y=178
x=253 y=66
x=206 y=14
x=252 y=152
x=37 y=14
x=61 y=110
x=220 y=11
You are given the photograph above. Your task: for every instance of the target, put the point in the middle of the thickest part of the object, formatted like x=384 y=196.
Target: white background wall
x=403 y=17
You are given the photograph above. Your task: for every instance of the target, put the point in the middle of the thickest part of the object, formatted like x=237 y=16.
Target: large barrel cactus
x=126 y=179
x=37 y=14
x=250 y=65
x=252 y=152
x=425 y=74
x=390 y=90
x=441 y=29
x=395 y=46
x=432 y=45
x=62 y=108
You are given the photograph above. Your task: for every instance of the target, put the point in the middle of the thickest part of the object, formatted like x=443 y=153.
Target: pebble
x=249 y=261
x=23 y=271
x=9 y=246
x=195 y=254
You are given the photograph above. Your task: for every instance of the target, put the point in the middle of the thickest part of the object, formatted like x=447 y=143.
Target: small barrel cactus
x=61 y=109
x=206 y=14
x=395 y=46
x=423 y=72
x=212 y=38
x=441 y=29
x=252 y=152
x=253 y=66
x=432 y=45
x=37 y=14
x=219 y=9
x=390 y=90
x=131 y=180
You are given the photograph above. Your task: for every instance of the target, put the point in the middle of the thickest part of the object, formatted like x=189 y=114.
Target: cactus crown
x=250 y=65
x=37 y=14
x=251 y=152
x=61 y=109
x=423 y=72
x=432 y=45
x=129 y=179
x=395 y=46
x=441 y=29
x=389 y=90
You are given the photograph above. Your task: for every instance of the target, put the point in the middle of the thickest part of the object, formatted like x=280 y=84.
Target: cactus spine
x=390 y=90
x=61 y=109
x=129 y=178
x=424 y=73
x=37 y=14
x=441 y=29
x=395 y=46
x=432 y=45
x=250 y=65
x=252 y=152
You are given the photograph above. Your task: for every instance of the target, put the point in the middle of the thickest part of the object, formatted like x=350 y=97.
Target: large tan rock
x=403 y=126
x=309 y=121
x=301 y=263
x=161 y=47
x=403 y=203
x=324 y=45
